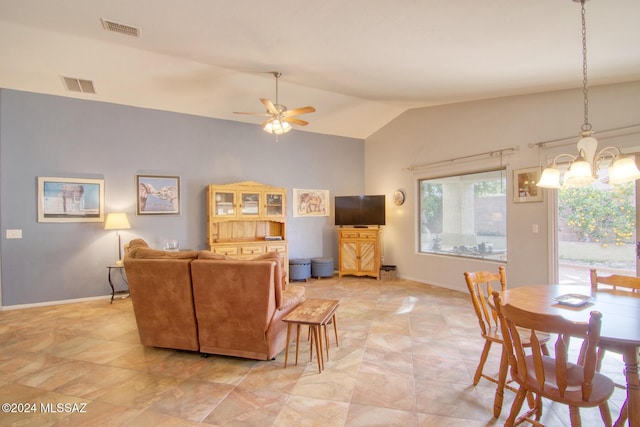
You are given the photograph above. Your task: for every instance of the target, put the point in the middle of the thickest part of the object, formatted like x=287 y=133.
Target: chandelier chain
x=586 y=127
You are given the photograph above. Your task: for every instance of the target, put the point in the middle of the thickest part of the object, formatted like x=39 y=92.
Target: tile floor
x=406 y=358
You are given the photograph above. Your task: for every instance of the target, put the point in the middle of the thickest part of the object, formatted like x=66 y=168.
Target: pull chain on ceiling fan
x=279 y=118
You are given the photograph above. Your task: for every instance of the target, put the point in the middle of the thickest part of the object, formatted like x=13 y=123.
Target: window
x=465 y=215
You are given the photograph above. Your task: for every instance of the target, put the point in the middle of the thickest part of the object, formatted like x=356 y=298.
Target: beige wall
x=444 y=132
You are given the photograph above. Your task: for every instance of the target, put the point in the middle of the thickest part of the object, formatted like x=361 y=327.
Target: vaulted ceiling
x=360 y=63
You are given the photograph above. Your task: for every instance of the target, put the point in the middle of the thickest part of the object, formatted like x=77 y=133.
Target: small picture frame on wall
x=158 y=195
x=310 y=202
x=524 y=185
x=70 y=199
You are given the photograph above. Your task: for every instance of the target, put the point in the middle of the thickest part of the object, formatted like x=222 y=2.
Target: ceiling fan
x=279 y=118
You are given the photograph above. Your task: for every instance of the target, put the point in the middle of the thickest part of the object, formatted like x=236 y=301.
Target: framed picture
x=70 y=199
x=524 y=185
x=310 y=202
x=158 y=195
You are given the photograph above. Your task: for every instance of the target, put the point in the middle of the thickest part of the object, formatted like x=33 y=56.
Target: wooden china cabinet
x=247 y=219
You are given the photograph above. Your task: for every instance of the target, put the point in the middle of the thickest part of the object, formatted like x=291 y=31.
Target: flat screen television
x=360 y=210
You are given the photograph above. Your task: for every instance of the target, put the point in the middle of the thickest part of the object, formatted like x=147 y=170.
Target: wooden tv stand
x=359 y=251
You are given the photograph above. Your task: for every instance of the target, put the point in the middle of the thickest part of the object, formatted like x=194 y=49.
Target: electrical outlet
x=534 y=229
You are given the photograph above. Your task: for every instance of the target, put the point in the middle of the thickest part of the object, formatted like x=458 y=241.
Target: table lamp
x=117 y=221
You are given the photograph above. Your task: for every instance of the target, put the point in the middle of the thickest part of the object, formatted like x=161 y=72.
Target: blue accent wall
x=43 y=135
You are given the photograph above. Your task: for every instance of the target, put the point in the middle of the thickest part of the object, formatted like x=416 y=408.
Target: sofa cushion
x=270 y=255
x=292 y=297
x=211 y=255
x=138 y=243
x=280 y=271
x=148 y=253
x=131 y=247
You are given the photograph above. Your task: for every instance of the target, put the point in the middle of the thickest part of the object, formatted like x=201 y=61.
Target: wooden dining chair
x=481 y=285
x=615 y=282
x=554 y=378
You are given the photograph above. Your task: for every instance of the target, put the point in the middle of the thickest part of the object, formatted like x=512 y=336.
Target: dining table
x=620 y=323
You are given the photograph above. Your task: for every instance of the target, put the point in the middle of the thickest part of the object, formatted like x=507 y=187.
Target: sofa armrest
x=293 y=296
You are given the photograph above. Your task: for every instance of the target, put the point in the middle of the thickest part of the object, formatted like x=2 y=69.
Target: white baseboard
x=49 y=303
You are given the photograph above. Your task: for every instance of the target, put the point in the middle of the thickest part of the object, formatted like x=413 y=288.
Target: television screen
x=360 y=210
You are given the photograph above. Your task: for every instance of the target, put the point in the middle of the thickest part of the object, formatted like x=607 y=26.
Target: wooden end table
x=316 y=313
x=124 y=293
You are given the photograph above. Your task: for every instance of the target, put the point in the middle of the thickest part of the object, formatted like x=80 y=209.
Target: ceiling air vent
x=120 y=28
x=78 y=85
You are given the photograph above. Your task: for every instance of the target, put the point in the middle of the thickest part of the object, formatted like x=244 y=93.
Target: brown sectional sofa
x=201 y=301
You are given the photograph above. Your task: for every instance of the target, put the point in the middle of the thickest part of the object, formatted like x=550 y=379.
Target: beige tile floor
x=406 y=357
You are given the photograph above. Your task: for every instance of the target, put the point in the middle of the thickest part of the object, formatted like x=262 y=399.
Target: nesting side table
x=317 y=314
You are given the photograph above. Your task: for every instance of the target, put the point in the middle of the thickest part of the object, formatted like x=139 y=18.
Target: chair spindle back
x=630 y=283
x=514 y=321
x=480 y=289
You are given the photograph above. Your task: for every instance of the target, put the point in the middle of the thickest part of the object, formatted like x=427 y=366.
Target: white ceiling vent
x=120 y=28
x=78 y=85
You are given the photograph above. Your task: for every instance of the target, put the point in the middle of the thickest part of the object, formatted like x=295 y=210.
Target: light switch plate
x=14 y=234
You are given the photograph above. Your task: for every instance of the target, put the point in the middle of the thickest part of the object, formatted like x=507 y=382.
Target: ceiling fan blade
x=253 y=114
x=270 y=107
x=295 y=121
x=296 y=111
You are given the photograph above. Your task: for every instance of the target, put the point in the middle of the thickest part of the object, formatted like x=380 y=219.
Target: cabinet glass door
x=224 y=203
x=250 y=204
x=274 y=204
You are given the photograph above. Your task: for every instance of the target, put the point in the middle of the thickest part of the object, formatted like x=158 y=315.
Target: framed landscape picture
x=70 y=199
x=158 y=195
x=524 y=185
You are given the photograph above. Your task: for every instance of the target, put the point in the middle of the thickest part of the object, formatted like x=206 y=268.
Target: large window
x=465 y=215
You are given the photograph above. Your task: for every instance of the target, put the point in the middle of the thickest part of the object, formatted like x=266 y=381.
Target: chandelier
x=583 y=168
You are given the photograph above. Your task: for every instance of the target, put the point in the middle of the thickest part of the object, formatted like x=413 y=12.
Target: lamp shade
x=550 y=178
x=580 y=174
x=277 y=127
x=117 y=221
x=623 y=170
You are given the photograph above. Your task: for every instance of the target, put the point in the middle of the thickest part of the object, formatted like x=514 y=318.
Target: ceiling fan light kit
x=276 y=126
x=280 y=119
x=583 y=168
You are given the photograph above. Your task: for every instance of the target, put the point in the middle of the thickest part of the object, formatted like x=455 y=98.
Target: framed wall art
x=158 y=195
x=70 y=199
x=524 y=185
x=310 y=202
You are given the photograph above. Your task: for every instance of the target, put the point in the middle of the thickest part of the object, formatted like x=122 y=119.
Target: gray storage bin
x=321 y=267
x=300 y=269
